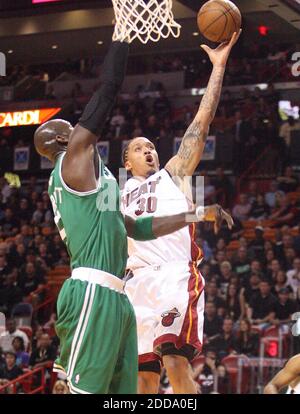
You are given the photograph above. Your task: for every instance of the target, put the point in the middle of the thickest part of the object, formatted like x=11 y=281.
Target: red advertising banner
x=30 y=117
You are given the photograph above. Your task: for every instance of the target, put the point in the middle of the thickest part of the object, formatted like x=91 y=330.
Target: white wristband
x=200 y=213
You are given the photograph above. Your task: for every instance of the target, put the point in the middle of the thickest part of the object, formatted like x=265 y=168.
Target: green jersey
x=90 y=223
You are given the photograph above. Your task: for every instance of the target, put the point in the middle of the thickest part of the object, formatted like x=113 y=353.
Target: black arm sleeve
x=112 y=76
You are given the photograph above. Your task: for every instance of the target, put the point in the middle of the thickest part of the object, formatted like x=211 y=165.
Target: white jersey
x=158 y=196
x=294 y=390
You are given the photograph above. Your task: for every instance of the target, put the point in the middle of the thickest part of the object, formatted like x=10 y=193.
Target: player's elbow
x=129 y=224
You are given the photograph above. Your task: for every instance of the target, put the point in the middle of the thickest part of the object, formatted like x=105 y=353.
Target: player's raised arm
x=288 y=374
x=80 y=164
x=149 y=228
x=193 y=142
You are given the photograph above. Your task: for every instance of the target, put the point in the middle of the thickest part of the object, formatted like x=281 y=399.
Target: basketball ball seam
x=228 y=11
x=225 y=26
x=207 y=11
x=214 y=21
x=222 y=5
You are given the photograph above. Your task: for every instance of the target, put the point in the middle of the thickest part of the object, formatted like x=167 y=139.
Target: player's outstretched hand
x=220 y=54
x=215 y=214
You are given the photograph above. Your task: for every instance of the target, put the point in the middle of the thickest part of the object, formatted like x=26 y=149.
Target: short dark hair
x=10 y=353
x=125 y=151
x=21 y=341
x=264 y=280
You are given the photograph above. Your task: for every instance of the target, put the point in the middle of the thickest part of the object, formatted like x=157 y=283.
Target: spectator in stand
x=293 y=276
x=223 y=380
x=242 y=209
x=273 y=271
x=205 y=374
x=60 y=387
x=50 y=325
x=280 y=282
x=270 y=196
x=4 y=270
x=45 y=255
x=284 y=309
x=252 y=192
x=269 y=257
x=242 y=264
x=10 y=371
x=22 y=357
x=64 y=258
x=288 y=258
x=37 y=334
x=55 y=247
x=212 y=322
x=259 y=210
x=225 y=277
x=7 y=337
x=10 y=294
x=30 y=280
x=224 y=342
x=261 y=307
x=212 y=295
x=247 y=342
x=257 y=245
x=215 y=264
x=285 y=132
x=24 y=211
x=44 y=354
x=288 y=182
x=25 y=234
x=256 y=267
x=221 y=245
x=9 y=223
x=233 y=234
x=5 y=188
x=286 y=242
x=234 y=304
x=39 y=214
x=285 y=213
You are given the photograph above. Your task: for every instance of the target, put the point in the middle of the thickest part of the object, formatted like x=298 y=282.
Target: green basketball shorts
x=96 y=326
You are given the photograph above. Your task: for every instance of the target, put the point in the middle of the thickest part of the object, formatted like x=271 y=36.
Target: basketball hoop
x=144 y=19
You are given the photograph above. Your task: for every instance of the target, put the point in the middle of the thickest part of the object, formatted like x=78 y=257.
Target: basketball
x=218 y=20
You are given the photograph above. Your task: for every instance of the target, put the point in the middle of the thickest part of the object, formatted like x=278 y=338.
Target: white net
x=144 y=19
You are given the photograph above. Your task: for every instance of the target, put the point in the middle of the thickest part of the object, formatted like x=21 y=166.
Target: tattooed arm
x=191 y=149
x=193 y=142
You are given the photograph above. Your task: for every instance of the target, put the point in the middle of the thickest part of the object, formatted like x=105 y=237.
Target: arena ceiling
x=30 y=34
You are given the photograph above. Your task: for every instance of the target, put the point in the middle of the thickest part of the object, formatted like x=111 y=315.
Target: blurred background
x=54 y=52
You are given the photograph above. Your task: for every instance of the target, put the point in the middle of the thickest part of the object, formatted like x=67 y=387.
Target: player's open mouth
x=149 y=160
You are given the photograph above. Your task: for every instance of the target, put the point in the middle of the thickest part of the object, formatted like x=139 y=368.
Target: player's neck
x=143 y=177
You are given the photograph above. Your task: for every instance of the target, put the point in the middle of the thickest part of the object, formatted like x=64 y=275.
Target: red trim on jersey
x=168 y=338
x=149 y=357
x=189 y=330
x=196 y=252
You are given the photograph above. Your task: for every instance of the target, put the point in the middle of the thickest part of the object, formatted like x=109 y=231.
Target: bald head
x=52 y=137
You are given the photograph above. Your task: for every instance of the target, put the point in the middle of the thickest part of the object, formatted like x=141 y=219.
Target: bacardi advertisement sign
x=30 y=117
